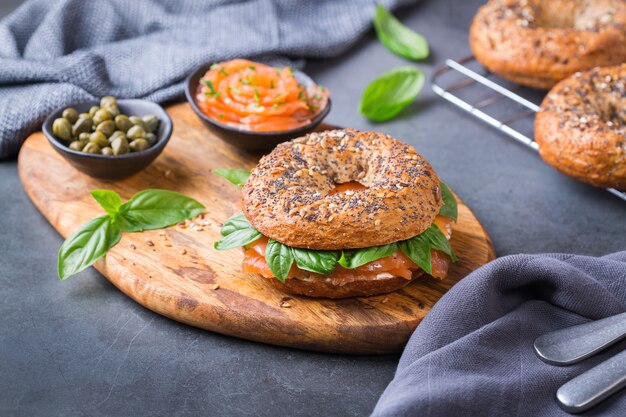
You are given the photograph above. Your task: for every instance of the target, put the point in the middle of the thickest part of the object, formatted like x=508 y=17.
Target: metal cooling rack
x=469 y=80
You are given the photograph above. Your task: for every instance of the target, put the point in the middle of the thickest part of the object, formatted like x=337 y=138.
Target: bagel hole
x=347 y=186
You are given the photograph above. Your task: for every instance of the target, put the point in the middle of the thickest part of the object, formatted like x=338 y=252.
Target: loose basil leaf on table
x=237 y=177
x=88 y=244
x=155 y=209
x=109 y=200
x=318 y=261
x=279 y=258
x=390 y=93
x=354 y=258
x=150 y=209
x=236 y=232
x=398 y=38
x=449 y=208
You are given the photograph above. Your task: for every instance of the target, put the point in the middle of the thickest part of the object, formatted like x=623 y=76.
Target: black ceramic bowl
x=255 y=142
x=113 y=167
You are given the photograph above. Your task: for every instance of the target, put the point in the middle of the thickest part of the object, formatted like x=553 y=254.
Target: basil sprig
x=390 y=93
x=237 y=177
x=149 y=209
x=398 y=38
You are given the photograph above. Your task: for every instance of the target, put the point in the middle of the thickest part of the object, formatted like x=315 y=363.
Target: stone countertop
x=82 y=348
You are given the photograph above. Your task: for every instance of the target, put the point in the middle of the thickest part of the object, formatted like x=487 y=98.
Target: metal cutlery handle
x=593 y=386
x=573 y=344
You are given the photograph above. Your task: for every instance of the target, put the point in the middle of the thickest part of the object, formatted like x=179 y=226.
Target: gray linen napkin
x=473 y=356
x=53 y=53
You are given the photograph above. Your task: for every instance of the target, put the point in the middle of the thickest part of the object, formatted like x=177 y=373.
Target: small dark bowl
x=255 y=142
x=113 y=167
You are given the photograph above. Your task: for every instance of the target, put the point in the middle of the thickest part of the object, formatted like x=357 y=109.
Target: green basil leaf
x=279 y=258
x=449 y=208
x=236 y=231
x=398 y=38
x=237 y=238
x=418 y=250
x=87 y=245
x=236 y=177
x=318 y=261
x=390 y=93
x=234 y=223
x=354 y=258
x=439 y=242
x=109 y=200
x=156 y=209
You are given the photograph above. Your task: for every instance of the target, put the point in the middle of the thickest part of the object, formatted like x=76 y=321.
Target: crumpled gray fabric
x=54 y=53
x=473 y=353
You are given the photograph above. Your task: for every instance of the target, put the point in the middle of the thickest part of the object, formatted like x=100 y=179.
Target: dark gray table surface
x=82 y=348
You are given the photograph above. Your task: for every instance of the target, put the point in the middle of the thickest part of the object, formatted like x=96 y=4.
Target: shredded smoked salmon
x=252 y=96
x=397 y=264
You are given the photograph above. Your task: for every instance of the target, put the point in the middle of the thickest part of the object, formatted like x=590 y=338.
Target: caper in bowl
x=109 y=139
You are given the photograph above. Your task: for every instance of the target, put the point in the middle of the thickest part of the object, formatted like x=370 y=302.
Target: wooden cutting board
x=176 y=272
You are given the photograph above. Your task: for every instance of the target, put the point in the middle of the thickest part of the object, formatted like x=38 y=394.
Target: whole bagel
x=581 y=127
x=538 y=42
x=287 y=196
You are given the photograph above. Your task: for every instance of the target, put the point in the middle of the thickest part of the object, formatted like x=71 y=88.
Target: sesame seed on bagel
x=581 y=127
x=288 y=194
x=538 y=43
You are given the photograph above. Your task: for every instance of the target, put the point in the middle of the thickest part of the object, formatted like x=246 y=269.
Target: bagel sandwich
x=342 y=213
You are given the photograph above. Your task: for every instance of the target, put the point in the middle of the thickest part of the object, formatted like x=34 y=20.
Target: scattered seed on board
x=149 y=243
x=284 y=302
x=183 y=252
x=216 y=286
x=133 y=247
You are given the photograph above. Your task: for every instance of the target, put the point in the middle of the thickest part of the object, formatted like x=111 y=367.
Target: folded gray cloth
x=53 y=53
x=473 y=353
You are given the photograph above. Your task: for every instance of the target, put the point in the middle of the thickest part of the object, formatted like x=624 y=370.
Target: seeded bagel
x=287 y=196
x=581 y=127
x=538 y=42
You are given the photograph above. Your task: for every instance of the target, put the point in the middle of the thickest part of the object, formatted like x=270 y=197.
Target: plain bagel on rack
x=581 y=127
x=287 y=196
x=538 y=43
